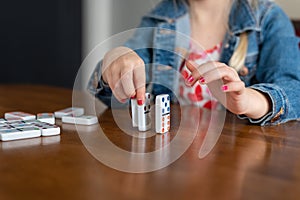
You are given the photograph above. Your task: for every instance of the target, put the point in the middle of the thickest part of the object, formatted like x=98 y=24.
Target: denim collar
x=242 y=15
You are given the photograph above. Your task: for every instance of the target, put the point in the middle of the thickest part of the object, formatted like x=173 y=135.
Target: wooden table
x=248 y=162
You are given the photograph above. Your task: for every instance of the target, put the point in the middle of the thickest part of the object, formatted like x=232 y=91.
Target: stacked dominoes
x=21 y=125
x=141 y=116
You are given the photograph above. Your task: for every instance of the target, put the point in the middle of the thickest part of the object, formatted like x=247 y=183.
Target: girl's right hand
x=124 y=71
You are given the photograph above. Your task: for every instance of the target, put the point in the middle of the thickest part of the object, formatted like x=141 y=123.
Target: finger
x=234 y=86
x=192 y=66
x=140 y=95
x=223 y=73
x=119 y=92
x=127 y=81
x=197 y=73
x=114 y=82
x=139 y=78
x=205 y=67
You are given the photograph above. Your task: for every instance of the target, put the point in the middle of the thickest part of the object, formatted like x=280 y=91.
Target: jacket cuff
x=96 y=84
x=278 y=107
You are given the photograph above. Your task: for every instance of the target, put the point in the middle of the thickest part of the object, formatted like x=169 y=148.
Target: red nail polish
x=202 y=80
x=190 y=79
x=224 y=87
x=133 y=97
x=140 y=102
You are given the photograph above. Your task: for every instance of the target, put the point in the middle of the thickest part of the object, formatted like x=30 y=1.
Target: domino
x=13 y=119
x=72 y=111
x=46 y=117
x=50 y=130
x=81 y=129
x=5 y=127
x=22 y=133
x=47 y=129
x=19 y=115
x=134 y=115
x=162 y=113
x=14 y=123
x=28 y=121
x=81 y=120
x=144 y=116
x=22 y=125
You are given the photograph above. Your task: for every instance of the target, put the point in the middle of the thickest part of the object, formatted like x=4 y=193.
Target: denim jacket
x=272 y=61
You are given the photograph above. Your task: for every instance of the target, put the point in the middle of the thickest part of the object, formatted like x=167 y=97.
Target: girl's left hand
x=225 y=84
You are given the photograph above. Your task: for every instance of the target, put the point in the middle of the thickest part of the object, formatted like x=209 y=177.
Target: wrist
x=259 y=104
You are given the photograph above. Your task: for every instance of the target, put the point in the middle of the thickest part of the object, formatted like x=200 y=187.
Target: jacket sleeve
x=278 y=69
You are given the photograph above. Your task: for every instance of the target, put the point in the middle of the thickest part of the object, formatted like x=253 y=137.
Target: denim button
x=277 y=116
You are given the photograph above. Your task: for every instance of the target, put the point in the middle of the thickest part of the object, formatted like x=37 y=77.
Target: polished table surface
x=247 y=162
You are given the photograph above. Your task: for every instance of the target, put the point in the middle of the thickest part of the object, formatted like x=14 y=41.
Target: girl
x=252 y=50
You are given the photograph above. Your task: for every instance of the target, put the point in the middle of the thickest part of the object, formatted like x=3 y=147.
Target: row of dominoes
x=141 y=116
x=21 y=125
x=23 y=129
x=72 y=115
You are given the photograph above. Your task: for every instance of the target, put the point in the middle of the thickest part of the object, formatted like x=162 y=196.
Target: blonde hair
x=237 y=61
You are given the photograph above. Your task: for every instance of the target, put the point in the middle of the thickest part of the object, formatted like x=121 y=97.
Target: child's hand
x=239 y=99
x=124 y=71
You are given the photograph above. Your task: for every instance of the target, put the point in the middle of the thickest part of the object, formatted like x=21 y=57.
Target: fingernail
x=190 y=79
x=202 y=80
x=224 y=87
x=140 y=102
x=133 y=97
x=123 y=100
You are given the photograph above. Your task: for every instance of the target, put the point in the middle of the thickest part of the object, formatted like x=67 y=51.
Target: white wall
x=104 y=18
x=291 y=7
x=96 y=25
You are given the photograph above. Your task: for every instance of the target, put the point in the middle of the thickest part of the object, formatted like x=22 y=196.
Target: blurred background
x=44 y=42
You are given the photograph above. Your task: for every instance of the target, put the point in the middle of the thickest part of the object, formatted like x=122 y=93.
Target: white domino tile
x=81 y=120
x=20 y=133
x=46 y=117
x=162 y=114
x=144 y=115
x=72 y=111
x=19 y=115
x=134 y=115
